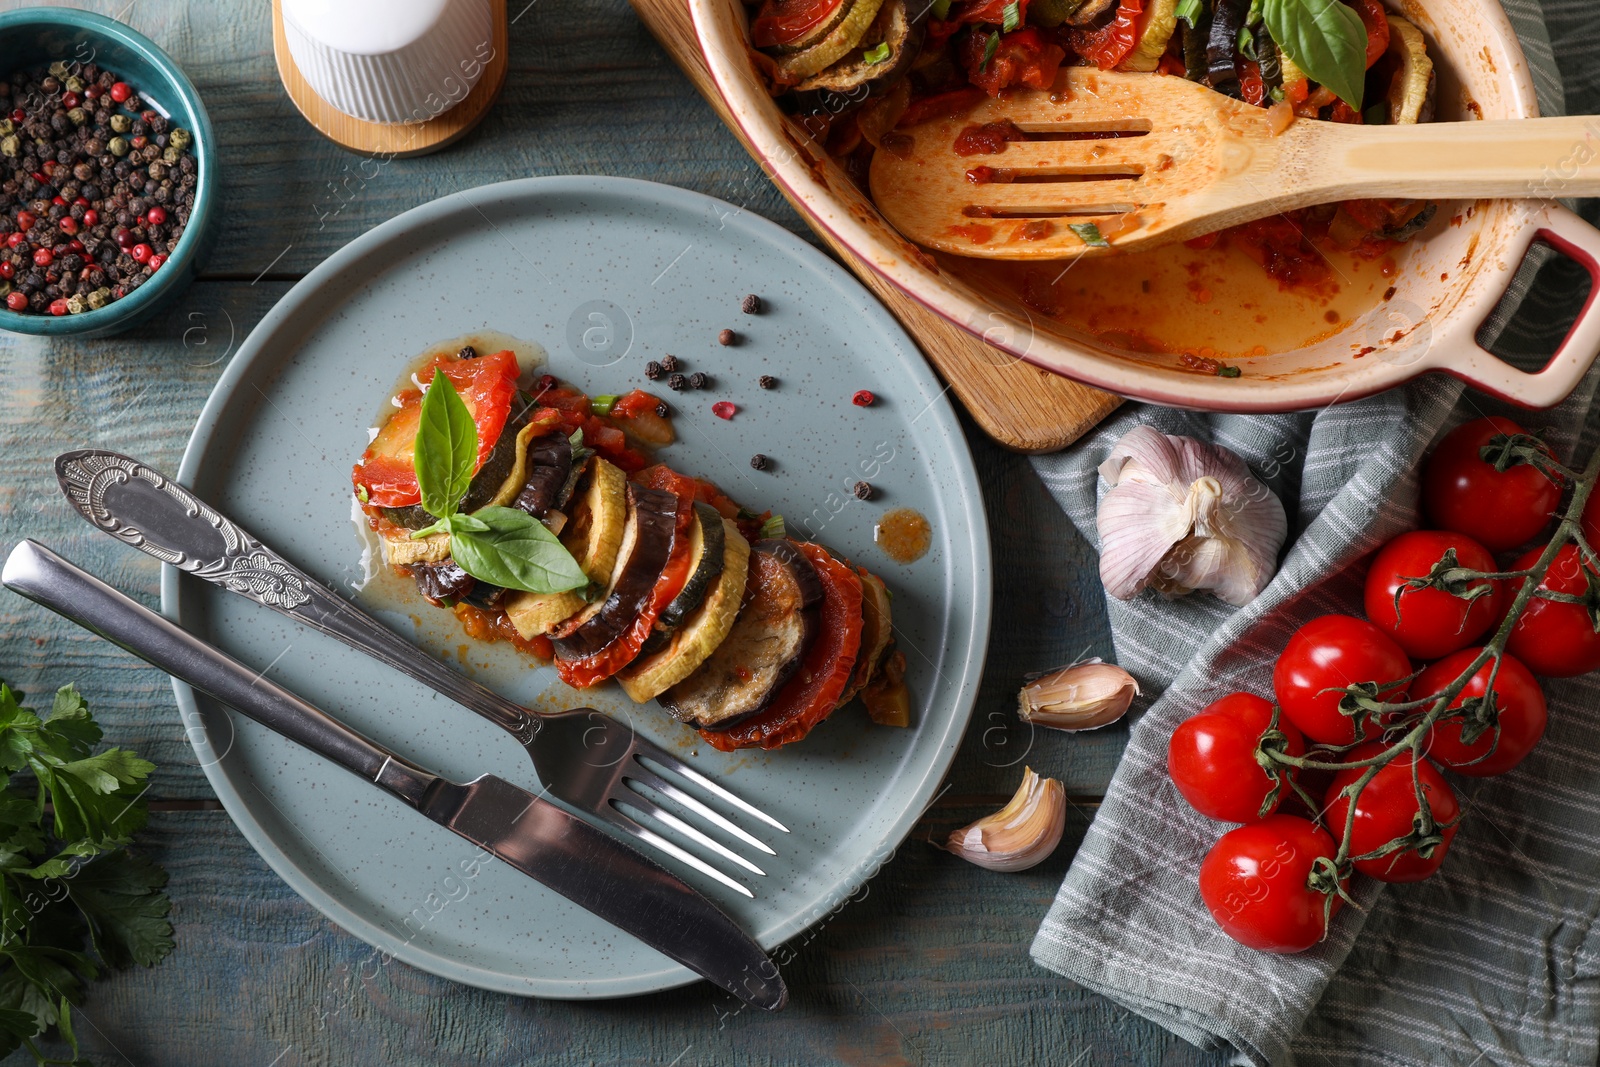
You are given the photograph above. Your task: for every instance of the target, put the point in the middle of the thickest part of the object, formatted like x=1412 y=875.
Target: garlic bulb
x=1182 y=515
x=1080 y=697
x=1020 y=834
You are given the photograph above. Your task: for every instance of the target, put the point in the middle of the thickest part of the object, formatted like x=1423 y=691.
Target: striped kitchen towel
x=1490 y=962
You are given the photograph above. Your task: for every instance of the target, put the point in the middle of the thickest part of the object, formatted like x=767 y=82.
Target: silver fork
x=583 y=757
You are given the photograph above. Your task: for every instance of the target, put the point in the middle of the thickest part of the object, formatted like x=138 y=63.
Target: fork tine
x=627 y=823
x=683 y=770
x=711 y=844
x=661 y=785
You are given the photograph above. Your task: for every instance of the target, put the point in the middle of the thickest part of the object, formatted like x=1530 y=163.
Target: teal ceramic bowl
x=35 y=35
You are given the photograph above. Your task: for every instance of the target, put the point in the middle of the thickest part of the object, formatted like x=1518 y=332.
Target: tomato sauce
x=1238 y=297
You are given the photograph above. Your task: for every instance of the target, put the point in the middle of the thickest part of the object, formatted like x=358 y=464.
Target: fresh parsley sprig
x=499 y=545
x=72 y=902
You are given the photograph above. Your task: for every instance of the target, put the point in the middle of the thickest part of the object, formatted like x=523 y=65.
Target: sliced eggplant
x=707 y=545
x=1196 y=39
x=704 y=631
x=852 y=79
x=646 y=545
x=1222 y=45
x=486 y=484
x=1414 y=86
x=831 y=47
x=877 y=628
x=765 y=646
x=549 y=465
x=443 y=580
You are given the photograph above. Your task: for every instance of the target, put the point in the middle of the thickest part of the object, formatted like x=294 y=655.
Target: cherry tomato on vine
x=1212 y=758
x=1551 y=638
x=1499 y=509
x=1518 y=700
x=1255 y=883
x=1431 y=622
x=1385 y=811
x=1330 y=653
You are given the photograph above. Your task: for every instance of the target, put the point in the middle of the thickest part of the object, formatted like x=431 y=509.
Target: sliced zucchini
x=834 y=46
x=705 y=629
x=594 y=532
x=1160 y=23
x=1411 y=92
x=534 y=614
x=401 y=551
x=707 y=544
x=895 y=29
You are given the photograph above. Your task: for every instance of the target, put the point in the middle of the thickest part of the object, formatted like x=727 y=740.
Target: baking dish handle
x=1574 y=238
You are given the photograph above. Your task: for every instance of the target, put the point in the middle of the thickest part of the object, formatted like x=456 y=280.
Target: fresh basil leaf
x=1089 y=234
x=445 y=454
x=515 y=551
x=1325 y=39
x=1191 y=12
x=467 y=524
x=1011 y=17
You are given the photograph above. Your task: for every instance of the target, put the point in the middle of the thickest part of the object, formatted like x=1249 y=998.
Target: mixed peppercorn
x=98 y=189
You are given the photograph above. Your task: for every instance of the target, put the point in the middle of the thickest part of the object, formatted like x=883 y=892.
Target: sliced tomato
x=1376 y=21
x=1110 y=44
x=780 y=22
x=987 y=11
x=624 y=649
x=1022 y=57
x=1251 y=85
x=612 y=443
x=810 y=696
x=635 y=402
x=386 y=475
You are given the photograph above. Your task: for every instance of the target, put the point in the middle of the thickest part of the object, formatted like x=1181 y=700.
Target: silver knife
x=539 y=839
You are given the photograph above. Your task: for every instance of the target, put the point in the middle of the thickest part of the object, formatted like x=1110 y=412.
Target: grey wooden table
x=928 y=964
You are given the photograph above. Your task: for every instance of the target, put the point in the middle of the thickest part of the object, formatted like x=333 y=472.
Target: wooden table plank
x=927 y=966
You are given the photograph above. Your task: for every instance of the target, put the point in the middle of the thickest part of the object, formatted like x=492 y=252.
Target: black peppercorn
x=652 y=370
x=662 y=411
x=767 y=381
x=669 y=363
x=862 y=490
x=759 y=462
x=751 y=305
x=699 y=380
x=467 y=352
x=676 y=382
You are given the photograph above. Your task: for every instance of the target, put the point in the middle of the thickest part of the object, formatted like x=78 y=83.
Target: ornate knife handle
x=140 y=506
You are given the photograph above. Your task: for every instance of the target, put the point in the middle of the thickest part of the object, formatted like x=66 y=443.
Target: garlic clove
x=1019 y=835
x=1181 y=515
x=1084 y=696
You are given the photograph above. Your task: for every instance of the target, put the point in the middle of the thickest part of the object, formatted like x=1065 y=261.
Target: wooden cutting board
x=1019 y=405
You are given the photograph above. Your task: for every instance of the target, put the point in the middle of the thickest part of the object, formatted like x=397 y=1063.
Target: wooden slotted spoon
x=1149 y=159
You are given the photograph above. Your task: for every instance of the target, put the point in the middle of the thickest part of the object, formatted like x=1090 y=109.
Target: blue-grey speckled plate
x=604 y=274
